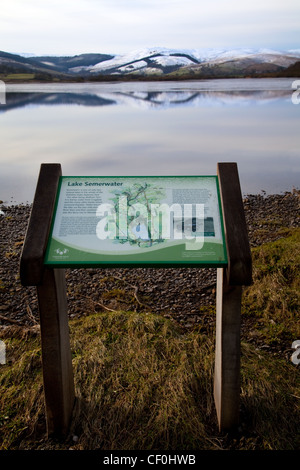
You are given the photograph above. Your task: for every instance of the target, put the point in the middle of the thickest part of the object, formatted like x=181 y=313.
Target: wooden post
x=229 y=293
x=36 y=239
x=56 y=352
x=227 y=352
x=52 y=299
x=239 y=270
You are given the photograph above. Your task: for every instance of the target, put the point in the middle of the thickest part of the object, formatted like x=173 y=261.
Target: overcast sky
x=68 y=27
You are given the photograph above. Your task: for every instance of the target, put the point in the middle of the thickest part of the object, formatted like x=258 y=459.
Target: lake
x=150 y=128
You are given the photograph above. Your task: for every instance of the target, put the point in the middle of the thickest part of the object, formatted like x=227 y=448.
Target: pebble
x=177 y=292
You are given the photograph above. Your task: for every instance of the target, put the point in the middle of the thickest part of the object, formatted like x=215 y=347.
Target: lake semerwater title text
x=88 y=183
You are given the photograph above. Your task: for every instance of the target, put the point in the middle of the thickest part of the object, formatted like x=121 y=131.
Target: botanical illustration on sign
x=133 y=211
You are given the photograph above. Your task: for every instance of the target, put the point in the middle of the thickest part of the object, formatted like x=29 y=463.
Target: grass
x=272 y=302
x=142 y=382
x=19 y=76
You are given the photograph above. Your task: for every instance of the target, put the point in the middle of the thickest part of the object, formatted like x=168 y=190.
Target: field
x=18 y=76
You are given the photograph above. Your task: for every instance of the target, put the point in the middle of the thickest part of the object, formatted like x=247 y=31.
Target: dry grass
x=140 y=384
x=147 y=383
x=273 y=300
x=144 y=383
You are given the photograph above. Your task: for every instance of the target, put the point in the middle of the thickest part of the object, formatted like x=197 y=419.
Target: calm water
x=151 y=129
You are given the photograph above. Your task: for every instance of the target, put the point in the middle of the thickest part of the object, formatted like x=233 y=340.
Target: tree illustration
x=138 y=227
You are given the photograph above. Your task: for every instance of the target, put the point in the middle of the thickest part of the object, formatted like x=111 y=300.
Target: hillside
x=46 y=67
x=152 y=63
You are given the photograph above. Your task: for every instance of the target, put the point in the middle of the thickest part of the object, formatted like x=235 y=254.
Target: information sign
x=140 y=221
x=144 y=221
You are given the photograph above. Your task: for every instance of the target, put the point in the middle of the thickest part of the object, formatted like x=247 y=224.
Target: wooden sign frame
x=52 y=299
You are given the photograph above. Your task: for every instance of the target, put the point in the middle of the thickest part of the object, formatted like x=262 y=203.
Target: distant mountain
x=47 y=66
x=69 y=64
x=159 y=61
x=155 y=63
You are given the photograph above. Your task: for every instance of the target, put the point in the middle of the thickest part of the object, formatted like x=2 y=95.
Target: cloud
x=117 y=26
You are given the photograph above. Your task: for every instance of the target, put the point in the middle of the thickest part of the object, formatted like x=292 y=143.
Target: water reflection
x=150 y=99
x=150 y=129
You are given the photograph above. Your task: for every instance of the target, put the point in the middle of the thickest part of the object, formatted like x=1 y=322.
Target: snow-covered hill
x=159 y=61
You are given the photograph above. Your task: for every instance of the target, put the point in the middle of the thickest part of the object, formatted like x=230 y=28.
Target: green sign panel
x=141 y=221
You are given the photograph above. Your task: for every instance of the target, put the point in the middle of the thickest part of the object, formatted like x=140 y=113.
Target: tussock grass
x=273 y=300
x=148 y=383
x=270 y=401
x=142 y=382
x=21 y=398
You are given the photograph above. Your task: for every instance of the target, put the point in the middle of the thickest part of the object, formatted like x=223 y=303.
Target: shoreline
x=156 y=290
x=146 y=78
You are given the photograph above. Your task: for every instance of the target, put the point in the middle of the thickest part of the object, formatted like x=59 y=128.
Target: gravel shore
x=172 y=292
